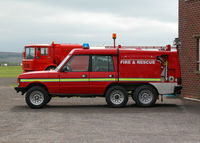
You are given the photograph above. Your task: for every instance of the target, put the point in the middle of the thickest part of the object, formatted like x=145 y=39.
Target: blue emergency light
x=86 y=46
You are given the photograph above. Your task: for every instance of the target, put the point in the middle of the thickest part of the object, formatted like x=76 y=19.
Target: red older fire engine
x=44 y=56
x=113 y=73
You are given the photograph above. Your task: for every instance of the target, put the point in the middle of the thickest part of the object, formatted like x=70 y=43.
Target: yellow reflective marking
x=44 y=80
x=90 y=79
x=74 y=79
x=102 y=79
x=139 y=79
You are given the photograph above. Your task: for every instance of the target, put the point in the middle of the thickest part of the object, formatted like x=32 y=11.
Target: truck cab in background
x=45 y=57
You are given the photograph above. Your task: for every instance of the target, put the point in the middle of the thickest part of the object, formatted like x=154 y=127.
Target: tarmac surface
x=90 y=120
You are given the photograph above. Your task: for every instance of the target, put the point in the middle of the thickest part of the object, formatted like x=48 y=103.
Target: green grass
x=10 y=71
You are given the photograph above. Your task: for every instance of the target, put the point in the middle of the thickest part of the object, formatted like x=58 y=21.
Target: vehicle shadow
x=131 y=108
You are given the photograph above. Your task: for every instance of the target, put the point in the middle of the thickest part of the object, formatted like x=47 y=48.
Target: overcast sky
x=136 y=22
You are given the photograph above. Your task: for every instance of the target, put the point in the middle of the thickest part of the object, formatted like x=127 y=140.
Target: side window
x=78 y=64
x=198 y=61
x=44 y=51
x=102 y=64
x=30 y=53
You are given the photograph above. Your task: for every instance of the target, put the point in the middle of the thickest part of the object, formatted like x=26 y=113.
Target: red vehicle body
x=111 y=73
x=45 y=57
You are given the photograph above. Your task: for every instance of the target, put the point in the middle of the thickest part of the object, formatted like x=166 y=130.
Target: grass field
x=10 y=71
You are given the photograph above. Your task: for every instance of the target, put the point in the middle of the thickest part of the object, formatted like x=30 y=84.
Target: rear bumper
x=20 y=89
x=177 y=89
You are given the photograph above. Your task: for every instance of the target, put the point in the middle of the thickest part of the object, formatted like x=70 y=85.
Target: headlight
x=18 y=81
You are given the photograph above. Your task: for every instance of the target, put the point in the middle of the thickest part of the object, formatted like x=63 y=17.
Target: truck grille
x=26 y=65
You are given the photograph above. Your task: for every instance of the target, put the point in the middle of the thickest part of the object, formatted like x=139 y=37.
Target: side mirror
x=66 y=68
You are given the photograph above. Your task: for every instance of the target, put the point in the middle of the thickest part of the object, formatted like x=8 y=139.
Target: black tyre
x=49 y=99
x=37 y=97
x=50 y=68
x=145 y=96
x=116 y=96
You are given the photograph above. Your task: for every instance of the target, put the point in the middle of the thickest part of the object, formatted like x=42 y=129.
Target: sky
x=136 y=22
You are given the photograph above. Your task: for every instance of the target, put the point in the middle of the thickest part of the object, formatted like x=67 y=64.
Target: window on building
x=78 y=64
x=102 y=64
x=198 y=62
x=44 y=51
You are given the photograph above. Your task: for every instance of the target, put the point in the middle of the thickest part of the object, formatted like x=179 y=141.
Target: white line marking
x=192 y=99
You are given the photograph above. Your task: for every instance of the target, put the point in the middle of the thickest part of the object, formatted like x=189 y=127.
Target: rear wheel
x=116 y=96
x=145 y=96
x=37 y=97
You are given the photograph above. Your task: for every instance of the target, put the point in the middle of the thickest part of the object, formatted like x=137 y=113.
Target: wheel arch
x=36 y=84
x=154 y=88
x=110 y=85
x=130 y=86
x=151 y=85
x=52 y=65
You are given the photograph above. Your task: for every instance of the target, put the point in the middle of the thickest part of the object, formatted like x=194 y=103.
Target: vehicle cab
x=39 y=57
x=84 y=72
x=36 y=57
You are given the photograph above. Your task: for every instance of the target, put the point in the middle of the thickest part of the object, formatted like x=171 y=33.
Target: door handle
x=111 y=75
x=84 y=75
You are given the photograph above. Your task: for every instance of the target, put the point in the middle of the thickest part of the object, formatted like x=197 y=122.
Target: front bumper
x=177 y=89
x=20 y=89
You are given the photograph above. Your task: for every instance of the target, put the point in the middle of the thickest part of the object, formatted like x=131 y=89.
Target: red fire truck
x=44 y=56
x=114 y=73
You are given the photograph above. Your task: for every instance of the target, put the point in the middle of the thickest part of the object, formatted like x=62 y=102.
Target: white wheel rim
x=117 y=97
x=145 y=96
x=36 y=98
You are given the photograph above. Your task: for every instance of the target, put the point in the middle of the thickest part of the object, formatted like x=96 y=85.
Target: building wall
x=189 y=34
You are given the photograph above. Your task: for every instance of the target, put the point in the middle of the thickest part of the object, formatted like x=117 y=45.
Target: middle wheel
x=116 y=96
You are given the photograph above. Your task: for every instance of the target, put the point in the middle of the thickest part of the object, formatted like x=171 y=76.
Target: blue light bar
x=86 y=46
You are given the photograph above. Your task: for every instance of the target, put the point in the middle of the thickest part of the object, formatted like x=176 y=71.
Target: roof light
x=114 y=35
x=86 y=46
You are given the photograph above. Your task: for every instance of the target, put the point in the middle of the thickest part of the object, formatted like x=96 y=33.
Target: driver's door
x=74 y=79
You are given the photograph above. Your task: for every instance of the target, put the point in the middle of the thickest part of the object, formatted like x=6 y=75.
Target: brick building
x=189 y=35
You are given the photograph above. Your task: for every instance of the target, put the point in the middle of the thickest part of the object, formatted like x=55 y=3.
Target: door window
x=78 y=64
x=44 y=51
x=102 y=63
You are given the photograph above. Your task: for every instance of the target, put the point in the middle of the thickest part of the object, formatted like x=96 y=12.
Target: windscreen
x=30 y=53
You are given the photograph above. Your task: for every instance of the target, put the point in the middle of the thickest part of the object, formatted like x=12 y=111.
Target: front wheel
x=37 y=97
x=49 y=99
x=145 y=96
x=116 y=96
